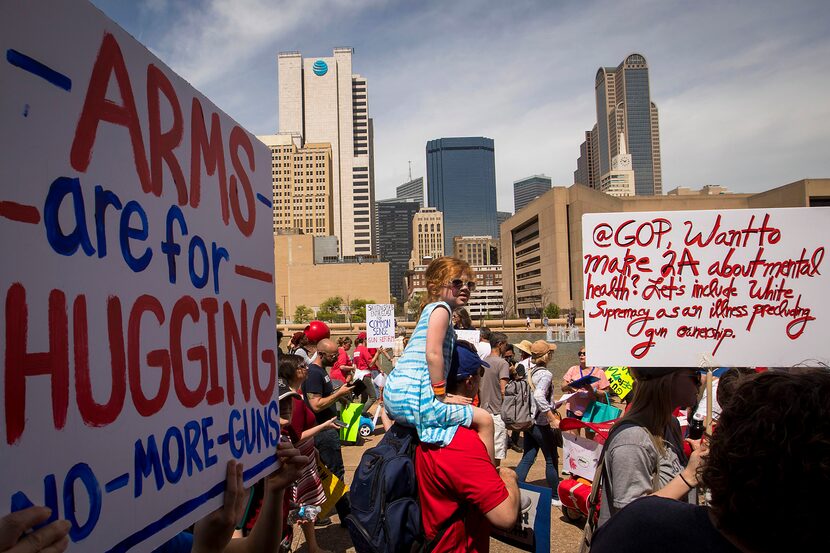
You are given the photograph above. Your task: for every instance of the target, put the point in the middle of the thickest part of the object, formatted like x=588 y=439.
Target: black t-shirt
x=319 y=382
x=658 y=524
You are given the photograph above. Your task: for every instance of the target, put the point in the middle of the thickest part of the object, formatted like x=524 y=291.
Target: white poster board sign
x=580 y=455
x=380 y=325
x=472 y=336
x=138 y=350
x=744 y=287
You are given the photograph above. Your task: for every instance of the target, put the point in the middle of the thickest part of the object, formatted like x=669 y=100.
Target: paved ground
x=564 y=536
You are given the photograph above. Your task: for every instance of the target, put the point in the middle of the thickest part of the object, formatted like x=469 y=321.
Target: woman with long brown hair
x=644 y=452
x=308 y=490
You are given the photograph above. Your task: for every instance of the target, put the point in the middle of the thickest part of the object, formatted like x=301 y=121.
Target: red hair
x=440 y=272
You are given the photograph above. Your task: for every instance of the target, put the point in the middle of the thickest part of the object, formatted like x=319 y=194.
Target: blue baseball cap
x=464 y=363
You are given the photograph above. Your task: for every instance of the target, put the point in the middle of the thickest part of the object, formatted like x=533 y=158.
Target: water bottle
x=696 y=427
x=303 y=513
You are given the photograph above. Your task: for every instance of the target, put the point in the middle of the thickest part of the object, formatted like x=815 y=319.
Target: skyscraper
x=394 y=224
x=411 y=190
x=301 y=185
x=620 y=180
x=322 y=101
x=427 y=235
x=461 y=183
x=527 y=189
x=624 y=107
x=476 y=250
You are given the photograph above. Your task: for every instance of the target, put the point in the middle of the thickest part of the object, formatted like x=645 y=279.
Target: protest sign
x=380 y=325
x=472 y=336
x=532 y=529
x=580 y=456
x=728 y=288
x=138 y=322
x=620 y=380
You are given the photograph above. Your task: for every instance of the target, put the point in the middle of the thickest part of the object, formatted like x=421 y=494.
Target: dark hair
x=768 y=467
x=484 y=333
x=729 y=382
x=464 y=320
x=652 y=404
x=497 y=338
x=289 y=363
x=342 y=341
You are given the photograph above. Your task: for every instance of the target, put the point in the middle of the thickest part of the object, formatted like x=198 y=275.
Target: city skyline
x=740 y=87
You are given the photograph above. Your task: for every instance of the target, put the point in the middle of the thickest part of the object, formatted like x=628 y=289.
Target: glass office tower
x=461 y=183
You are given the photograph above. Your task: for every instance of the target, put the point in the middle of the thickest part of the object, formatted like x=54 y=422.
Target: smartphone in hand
x=340 y=424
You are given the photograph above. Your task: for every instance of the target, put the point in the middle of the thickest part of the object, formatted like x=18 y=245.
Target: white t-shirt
x=701 y=407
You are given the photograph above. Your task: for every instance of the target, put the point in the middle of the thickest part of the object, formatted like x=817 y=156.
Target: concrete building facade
x=541 y=246
x=528 y=189
x=322 y=101
x=427 y=235
x=461 y=183
x=476 y=250
x=301 y=191
x=301 y=281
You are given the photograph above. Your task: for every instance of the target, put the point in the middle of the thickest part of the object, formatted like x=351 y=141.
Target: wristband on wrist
x=440 y=388
x=680 y=474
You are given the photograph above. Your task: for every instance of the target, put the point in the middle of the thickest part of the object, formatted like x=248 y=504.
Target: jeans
x=327 y=443
x=544 y=438
x=370 y=395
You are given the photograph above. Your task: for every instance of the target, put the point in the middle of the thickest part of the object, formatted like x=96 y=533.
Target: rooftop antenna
x=410 y=170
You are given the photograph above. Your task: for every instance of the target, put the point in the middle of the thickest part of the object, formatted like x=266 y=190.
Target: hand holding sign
x=212 y=533
x=16 y=538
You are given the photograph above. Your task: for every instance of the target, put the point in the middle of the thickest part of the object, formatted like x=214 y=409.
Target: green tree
x=330 y=309
x=278 y=313
x=552 y=311
x=357 y=309
x=302 y=314
x=415 y=305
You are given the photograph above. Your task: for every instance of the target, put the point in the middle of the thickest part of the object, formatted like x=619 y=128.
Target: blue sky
x=742 y=87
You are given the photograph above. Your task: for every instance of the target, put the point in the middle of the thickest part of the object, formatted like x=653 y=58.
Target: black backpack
x=385 y=512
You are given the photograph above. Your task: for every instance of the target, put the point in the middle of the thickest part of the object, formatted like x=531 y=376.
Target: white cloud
x=740 y=86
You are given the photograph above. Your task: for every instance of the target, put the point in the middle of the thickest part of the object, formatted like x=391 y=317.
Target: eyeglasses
x=581 y=353
x=458 y=284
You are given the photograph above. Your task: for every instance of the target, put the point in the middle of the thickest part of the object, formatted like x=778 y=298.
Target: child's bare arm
x=437 y=329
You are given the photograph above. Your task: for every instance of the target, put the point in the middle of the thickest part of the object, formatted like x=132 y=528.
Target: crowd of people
x=755 y=482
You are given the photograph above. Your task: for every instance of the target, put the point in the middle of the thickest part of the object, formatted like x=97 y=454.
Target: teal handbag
x=601 y=412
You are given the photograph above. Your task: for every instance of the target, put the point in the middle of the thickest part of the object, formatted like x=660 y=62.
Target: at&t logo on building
x=320 y=68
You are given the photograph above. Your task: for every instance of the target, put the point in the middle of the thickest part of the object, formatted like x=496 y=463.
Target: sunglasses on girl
x=458 y=284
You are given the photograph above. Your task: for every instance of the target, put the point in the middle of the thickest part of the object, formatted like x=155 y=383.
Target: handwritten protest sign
x=620 y=380
x=137 y=284
x=742 y=287
x=580 y=455
x=380 y=325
